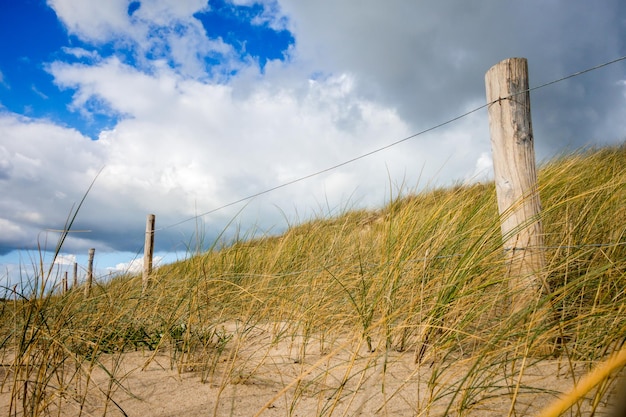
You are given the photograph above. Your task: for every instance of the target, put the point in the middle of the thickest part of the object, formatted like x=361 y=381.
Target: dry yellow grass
x=403 y=305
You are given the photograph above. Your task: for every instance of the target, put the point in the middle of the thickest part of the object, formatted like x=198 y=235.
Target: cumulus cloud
x=483 y=170
x=134 y=266
x=187 y=146
x=81 y=53
x=157 y=32
x=97 y=22
x=65 y=259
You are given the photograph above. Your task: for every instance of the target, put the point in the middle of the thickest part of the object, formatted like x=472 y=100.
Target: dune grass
x=424 y=277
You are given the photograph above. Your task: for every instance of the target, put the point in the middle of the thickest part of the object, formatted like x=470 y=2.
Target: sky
x=185 y=108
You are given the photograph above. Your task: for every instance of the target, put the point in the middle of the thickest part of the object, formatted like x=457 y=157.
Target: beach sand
x=260 y=376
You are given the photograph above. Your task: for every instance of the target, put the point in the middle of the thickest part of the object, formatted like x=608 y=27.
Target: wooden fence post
x=516 y=178
x=148 y=251
x=64 y=285
x=92 y=251
x=75 y=277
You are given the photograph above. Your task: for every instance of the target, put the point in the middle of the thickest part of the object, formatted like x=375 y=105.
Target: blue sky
x=185 y=106
x=32 y=37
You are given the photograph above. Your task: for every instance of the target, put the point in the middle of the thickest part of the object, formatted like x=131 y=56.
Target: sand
x=289 y=377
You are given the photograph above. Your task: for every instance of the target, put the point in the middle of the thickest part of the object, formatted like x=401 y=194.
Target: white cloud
x=483 y=171
x=134 y=266
x=186 y=146
x=12 y=232
x=65 y=259
x=6 y=166
x=39 y=93
x=271 y=14
x=204 y=144
x=30 y=216
x=118 y=86
x=81 y=53
x=158 y=31
x=163 y=12
x=94 y=21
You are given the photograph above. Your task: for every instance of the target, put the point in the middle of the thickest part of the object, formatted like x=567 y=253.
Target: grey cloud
x=49 y=168
x=428 y=59
x=5 y=164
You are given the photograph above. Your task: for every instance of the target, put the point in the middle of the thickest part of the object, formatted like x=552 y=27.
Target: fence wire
x=392 y=144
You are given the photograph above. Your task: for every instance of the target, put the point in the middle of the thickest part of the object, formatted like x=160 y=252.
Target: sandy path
x=341 y=380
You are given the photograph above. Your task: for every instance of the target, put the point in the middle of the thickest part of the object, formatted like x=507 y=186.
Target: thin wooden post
x=148 y=251
x=64 y=286
x=92 y=251
x=519 y=206
x=75 y=278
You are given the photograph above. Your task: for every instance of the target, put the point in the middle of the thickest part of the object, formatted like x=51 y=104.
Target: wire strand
x=390 y=145
x=331 y=168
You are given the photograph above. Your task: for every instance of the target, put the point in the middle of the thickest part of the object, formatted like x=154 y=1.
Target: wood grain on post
x=148 y=251
x=92 y=251
x=515 y=174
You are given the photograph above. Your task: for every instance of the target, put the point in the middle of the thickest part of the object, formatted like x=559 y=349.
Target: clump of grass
x=352 y=295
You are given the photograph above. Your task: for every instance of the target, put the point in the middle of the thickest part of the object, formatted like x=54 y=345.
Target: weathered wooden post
x=148 y=252
x=516 y=178
x=64 y=286
x=75 y=277
x=92 y=251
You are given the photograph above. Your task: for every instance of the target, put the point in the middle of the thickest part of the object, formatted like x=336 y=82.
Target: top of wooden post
x=507 y=79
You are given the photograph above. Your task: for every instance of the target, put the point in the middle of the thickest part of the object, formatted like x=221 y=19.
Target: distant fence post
x=516 y=178
x=64 y=286
x=92 y=251
x=148 y=251
x=75 y=277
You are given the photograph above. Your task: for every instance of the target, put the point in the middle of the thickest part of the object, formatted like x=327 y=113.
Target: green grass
x=423 y=276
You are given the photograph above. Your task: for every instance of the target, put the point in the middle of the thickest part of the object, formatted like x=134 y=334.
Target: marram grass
x=424 y=277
